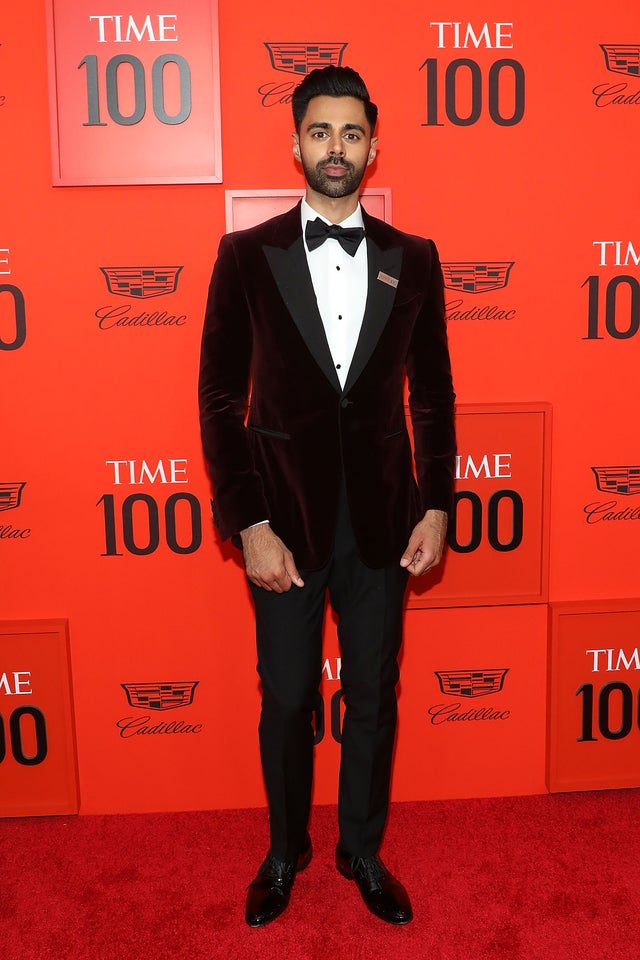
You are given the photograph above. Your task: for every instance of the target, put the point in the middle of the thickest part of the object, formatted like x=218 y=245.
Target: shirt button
x=337 y=268
x=339 y=316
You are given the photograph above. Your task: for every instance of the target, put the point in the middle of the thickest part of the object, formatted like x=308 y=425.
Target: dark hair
x=332 y=82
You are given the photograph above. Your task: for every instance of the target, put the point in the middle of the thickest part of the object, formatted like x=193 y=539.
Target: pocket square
x=387 y=279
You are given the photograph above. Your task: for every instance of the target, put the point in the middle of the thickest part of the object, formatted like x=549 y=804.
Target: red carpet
x=527 y=878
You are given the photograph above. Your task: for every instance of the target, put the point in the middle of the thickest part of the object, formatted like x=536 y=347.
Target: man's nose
x=336 y=147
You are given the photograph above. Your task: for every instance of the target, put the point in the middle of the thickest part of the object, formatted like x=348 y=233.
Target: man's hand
x=426 y=543
x=267 y=561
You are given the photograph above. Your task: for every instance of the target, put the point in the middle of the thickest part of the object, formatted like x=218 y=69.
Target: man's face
x=334 y=145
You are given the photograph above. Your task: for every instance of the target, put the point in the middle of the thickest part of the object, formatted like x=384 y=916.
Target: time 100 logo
x=124 y=76
x=462 y=92
x=614 y=305
x=141 y=523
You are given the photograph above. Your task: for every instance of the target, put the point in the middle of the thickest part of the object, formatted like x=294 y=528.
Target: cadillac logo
x=10 y=495
x=141 y=282
x=471 y=683
x=622 y=58
x=618 y=480
x=302 y=58
x=480 y=277
x=160 y=696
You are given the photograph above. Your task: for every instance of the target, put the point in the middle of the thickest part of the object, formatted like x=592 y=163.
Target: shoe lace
x=370 y=869
x=278 y=871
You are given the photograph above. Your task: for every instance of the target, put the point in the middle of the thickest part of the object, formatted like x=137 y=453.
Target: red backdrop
x=512 y=144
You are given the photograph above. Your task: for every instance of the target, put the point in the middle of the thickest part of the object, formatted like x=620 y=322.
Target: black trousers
x=368 y=603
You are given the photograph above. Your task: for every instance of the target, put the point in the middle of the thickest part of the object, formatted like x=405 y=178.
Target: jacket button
x=346 y=403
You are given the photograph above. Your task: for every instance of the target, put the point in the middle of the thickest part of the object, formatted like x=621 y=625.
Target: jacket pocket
x=269 y=433
x=396 y=433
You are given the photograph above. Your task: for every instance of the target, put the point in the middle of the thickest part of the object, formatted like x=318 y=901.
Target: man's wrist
x=434 y=512
x=251 y=530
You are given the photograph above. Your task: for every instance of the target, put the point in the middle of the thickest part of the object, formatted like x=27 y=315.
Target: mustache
x=335 y=162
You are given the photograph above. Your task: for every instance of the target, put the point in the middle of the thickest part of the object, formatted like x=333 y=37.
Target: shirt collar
x=308 y=213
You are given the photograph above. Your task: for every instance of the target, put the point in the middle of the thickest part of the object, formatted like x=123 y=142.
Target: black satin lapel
x=291 y=273
x=380 y=298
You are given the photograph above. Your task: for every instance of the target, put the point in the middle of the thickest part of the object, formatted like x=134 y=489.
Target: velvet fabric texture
x=264 y=348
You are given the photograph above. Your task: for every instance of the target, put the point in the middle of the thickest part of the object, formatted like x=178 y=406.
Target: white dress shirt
x=340 y=285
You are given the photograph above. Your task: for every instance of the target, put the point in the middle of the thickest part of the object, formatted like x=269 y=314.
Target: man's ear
x=296 y=146
x=372 y=150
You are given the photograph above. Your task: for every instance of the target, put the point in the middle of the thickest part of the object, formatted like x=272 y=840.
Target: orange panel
x=134 y=96
x=37 y=744
x=594 y=719
x=498 y=537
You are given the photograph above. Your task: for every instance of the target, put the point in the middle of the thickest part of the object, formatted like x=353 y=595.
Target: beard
x=334 y=187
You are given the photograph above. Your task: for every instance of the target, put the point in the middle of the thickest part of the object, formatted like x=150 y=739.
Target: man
x=324 y=321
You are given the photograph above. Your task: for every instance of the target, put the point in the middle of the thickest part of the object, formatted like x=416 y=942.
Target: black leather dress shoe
x=382 y=893
x=268 y=895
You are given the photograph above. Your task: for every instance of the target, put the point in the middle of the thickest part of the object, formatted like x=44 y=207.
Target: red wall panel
x=494 y=143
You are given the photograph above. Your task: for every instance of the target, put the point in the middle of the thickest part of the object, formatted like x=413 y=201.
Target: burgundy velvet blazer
x=264 y=347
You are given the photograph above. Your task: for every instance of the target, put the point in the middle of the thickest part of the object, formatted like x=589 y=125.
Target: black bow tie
x=317 y=231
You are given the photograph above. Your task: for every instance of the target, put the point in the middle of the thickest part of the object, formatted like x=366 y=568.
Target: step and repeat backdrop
x=131 y=139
